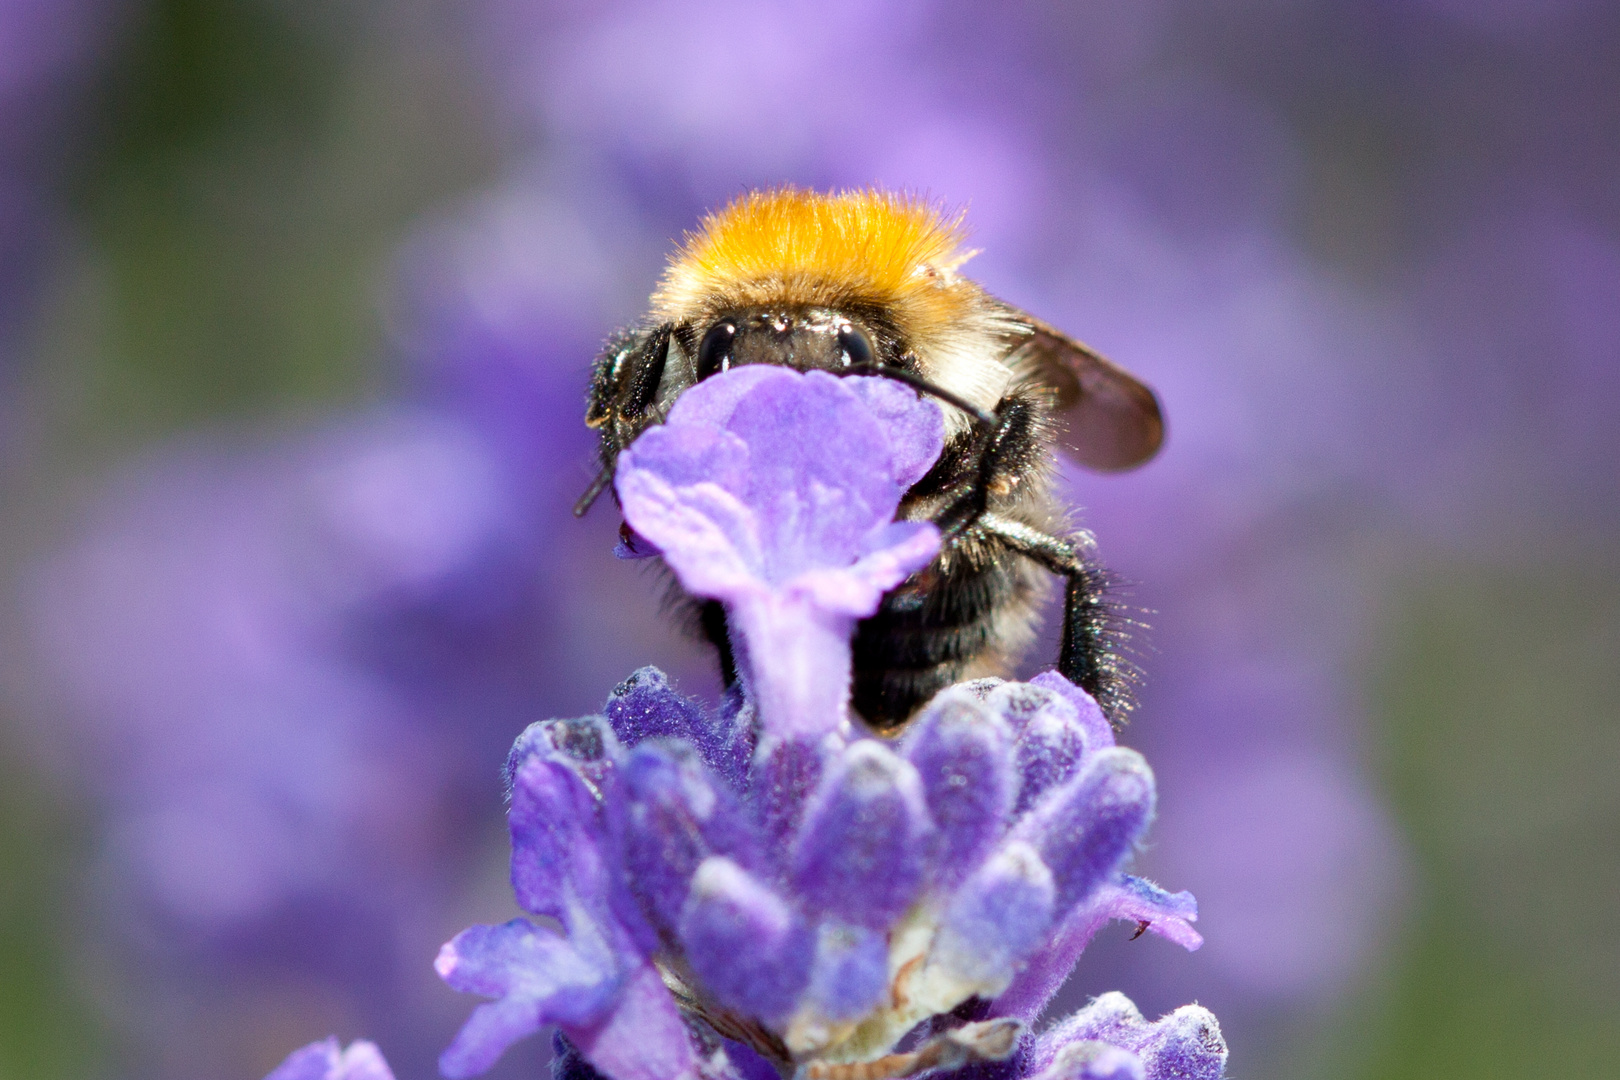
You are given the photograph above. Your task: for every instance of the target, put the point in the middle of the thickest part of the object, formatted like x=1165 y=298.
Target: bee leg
x=624 y=386
x=1093 y=630
x=1004 y=439
x=712 y=621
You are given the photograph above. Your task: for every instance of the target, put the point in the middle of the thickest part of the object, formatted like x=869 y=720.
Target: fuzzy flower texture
x=766 y=890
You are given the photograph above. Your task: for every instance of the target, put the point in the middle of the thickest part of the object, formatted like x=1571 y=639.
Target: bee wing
x=1113 y=420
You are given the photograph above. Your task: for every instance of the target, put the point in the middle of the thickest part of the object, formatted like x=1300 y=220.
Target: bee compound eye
x=714 y=352
x=857 y=347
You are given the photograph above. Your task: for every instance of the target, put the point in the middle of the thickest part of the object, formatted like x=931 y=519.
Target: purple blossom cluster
x=764 y=888
x=814 y=904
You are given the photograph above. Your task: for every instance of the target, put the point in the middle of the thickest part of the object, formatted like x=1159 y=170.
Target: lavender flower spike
x=766 y=889
x=775 y=492
x=326 y=1060
x=909 y=879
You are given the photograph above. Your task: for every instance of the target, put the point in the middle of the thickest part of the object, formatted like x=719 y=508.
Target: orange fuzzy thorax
x=803 y=248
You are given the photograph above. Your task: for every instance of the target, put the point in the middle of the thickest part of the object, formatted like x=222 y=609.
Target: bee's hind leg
x=1094 y=630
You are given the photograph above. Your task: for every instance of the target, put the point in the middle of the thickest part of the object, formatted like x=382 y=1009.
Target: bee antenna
x=922 y=385
x=598 y=485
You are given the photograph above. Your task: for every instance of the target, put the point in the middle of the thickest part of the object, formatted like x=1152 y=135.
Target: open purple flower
x=775 y=492
x=764 y=890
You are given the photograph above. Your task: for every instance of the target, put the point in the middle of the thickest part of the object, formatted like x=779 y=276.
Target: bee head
x=823 y=282
x=816 y=283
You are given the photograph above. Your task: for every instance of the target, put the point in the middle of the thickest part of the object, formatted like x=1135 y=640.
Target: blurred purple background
x=296 y=307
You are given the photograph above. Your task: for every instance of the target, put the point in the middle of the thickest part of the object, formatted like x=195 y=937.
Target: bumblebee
x=867 y=282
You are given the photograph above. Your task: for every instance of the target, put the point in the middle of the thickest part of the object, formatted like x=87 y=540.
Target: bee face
x=805 y=339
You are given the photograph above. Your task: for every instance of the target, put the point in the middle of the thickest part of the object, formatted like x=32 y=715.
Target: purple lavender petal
x=1086 y=829
x=775 y=492
x=729 y=747
x=1047 y=756
x=1051 y=740
x=748 y=1065
x=794 y=480
x=886 y=557
x=556 y=839
x=801 y=684
x=915 y=435
x=822 y=470
x=780 y=784
x=363 y=1061
x=1088 y=1059
x=1032 y=988
x=313 y=1062
x=644 y=706
x=708 y=535
x=518 y=958
x=903 y=435
x=1186 y=1045
x=851 y=972
x=537 y=977
x=1017 y=702
x=1099 y=733
x=1110 y=1018
x=326 y=1060
x=960 y=750
x=1167 y=914
x=750 y=948
x=587 y=745
x=721 y=397
x=672 y=815
x=999 y=916
x=860 y=853
x=643 y=1038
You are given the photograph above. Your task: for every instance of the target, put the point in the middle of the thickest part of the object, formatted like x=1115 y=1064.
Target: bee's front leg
x=1008 y=448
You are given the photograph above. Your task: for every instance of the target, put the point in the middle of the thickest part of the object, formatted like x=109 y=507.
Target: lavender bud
x=746 y=943
x=1085 y=829
x=961 y=753
x=860 y=852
